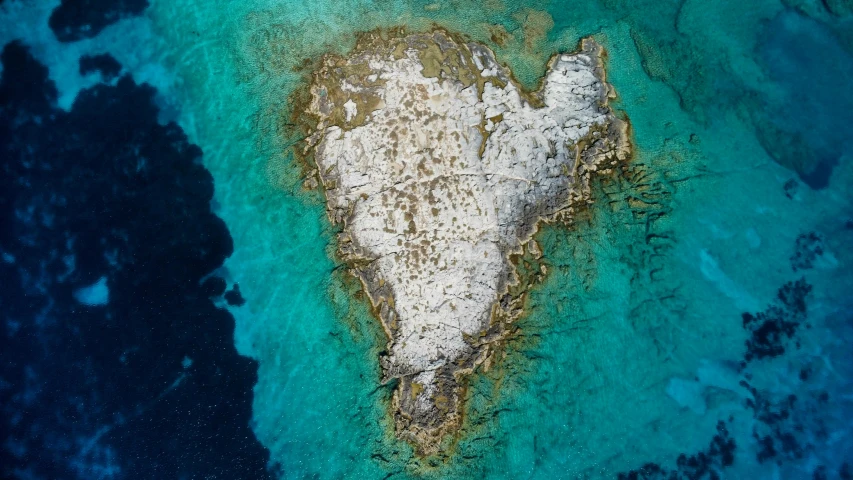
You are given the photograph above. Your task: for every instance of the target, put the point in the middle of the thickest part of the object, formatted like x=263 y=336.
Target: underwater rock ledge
x=439 y=168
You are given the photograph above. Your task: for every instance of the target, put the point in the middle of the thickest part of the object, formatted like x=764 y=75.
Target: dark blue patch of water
x=115 y=361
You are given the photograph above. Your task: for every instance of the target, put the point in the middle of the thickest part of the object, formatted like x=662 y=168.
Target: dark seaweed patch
x=791 y=188
x=214 y=286
x=105 y=64
x=808 y=248
x=144 y=382
x=76 y=20
x=233 y=296
x=771 y=329
x=820 y=174
x=787 y=427
x=707 y=464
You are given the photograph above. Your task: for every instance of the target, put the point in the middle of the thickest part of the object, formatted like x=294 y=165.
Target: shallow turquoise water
x=630 y=349
x=637 y=296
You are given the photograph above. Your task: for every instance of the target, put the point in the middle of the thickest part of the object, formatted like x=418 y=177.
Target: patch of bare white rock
x=450 y=171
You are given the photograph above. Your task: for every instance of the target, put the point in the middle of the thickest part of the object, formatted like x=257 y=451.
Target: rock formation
x=439 y=167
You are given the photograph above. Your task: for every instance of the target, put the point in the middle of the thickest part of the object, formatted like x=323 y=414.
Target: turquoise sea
x=696 y=323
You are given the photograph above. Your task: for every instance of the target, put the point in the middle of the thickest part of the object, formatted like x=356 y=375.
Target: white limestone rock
x=439 y=166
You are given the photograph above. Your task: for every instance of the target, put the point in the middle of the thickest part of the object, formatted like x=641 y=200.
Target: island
x=439 y=168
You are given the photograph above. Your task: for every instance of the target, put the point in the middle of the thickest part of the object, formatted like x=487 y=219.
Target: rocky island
x=439 y=168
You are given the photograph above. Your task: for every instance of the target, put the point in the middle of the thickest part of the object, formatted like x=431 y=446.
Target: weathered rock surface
x=439 y=167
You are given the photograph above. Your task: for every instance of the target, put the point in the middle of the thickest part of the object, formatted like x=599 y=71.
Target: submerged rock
x=439 y=168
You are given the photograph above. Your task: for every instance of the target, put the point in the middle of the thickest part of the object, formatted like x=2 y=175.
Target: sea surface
x=172 y=306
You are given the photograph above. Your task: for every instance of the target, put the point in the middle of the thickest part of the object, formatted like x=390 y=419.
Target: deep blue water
x=145 y=383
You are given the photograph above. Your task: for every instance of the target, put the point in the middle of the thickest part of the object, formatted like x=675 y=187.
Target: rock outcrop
x=439 y=167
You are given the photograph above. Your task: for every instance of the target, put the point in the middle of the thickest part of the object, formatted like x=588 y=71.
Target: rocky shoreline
x=439 y=169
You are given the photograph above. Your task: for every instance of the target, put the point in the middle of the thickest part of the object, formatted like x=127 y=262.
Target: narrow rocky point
x=439 y=168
